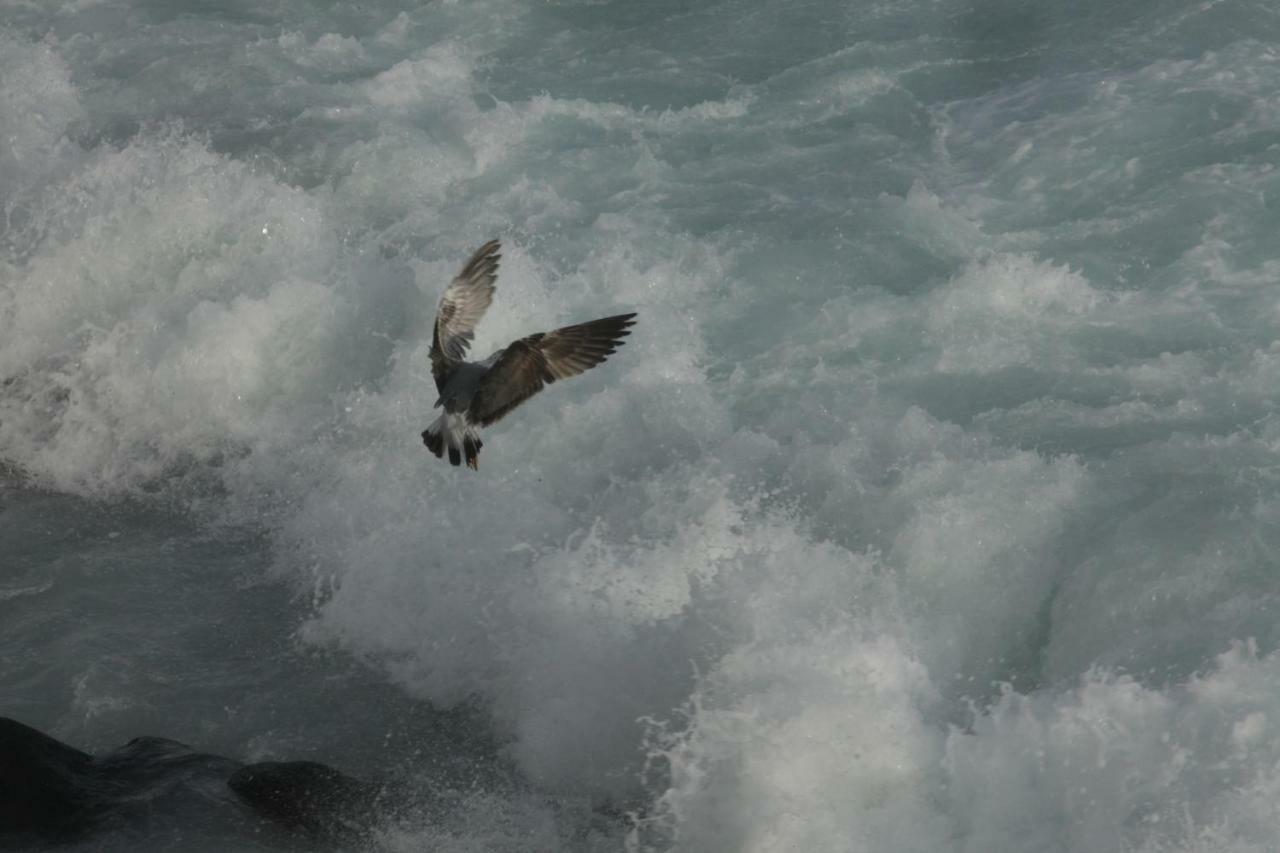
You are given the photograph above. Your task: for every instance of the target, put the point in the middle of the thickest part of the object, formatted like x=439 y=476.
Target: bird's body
x=460 y=389
x=477 y=393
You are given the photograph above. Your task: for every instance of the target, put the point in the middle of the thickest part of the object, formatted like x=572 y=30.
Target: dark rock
x=43 y=784
x=51 y=793
x=310 y=797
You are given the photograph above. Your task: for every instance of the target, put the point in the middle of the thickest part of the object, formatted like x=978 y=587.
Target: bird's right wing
x=531 y=363
x=463 y=304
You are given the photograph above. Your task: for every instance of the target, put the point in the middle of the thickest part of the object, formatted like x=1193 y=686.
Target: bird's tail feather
x=453 y=433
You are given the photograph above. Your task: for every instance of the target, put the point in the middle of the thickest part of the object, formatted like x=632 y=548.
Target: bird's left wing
x=463 y=304
x=531 y=363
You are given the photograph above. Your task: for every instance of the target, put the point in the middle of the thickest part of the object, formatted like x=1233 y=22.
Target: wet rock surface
x=52 y=793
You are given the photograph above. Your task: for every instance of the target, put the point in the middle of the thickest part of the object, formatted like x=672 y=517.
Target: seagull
x=478 y=393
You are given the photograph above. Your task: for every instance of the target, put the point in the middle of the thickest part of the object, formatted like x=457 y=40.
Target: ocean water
x=934 y=504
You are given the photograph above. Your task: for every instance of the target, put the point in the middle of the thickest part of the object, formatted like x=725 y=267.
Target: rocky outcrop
x=52 y=793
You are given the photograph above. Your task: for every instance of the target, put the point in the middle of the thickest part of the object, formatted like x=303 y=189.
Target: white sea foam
x=931 y=506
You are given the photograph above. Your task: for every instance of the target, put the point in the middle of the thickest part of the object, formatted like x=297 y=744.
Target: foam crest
x=38 y=106
x=1107 y=765
x=442 y=72
x=38 y=102
x=1113 y=764
x=1006 y=311
x=199 y=310
x=331 y=51
x=814 y=741
x=978 y=549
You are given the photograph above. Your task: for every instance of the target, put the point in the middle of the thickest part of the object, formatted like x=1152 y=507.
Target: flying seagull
x=477 y=393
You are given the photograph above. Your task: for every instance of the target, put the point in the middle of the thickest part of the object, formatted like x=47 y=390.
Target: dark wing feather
x=463 y=304
x=538 y=360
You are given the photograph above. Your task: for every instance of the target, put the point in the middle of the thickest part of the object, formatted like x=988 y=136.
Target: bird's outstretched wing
x=530 y=363
x=463 y=304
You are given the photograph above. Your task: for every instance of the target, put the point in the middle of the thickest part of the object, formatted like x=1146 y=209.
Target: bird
x=476 y=394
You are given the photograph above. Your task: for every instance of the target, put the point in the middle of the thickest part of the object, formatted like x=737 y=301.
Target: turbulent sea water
x=934 y=504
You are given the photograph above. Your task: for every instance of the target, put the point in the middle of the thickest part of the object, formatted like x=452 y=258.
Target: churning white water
x=934 y=504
